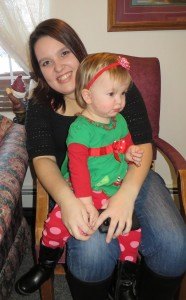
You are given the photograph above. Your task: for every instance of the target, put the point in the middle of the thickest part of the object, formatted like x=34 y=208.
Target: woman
x=55 y=52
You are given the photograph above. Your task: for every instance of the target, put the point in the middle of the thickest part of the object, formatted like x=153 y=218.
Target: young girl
x=99 y=147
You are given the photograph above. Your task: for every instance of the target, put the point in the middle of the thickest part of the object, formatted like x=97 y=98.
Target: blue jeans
x=163 y=238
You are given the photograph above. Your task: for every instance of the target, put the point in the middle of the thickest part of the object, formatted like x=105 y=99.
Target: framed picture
x=146 y=14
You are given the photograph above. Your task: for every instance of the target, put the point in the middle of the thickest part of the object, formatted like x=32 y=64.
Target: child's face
x=107 y=96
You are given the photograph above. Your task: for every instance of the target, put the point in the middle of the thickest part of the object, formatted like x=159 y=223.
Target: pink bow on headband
x=122 y=61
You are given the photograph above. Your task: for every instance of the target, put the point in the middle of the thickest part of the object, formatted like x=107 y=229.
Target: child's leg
x=129 y=244
x=55 y=234
x=53 y=239
x=100 y=199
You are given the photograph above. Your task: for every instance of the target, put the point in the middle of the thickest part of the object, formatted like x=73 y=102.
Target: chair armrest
x=177 y=160
x=182 y=189
x=42 y=205
x=179 y=164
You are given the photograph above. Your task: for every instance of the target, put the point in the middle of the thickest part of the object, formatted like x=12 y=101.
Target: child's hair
x=95 y=64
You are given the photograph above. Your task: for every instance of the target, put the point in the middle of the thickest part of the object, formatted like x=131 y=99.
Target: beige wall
x=89 y=19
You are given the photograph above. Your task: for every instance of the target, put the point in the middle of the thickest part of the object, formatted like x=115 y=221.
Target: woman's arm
x=41 y=146
x=73 y=211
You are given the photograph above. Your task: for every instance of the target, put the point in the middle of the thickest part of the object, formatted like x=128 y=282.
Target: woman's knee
x=174 y=251
x=164 y=247
x=93 y=260
x=163 y=229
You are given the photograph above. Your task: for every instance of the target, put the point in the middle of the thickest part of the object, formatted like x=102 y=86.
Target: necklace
x=109 y=126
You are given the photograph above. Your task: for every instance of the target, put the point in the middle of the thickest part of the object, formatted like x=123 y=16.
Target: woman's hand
x=121 y=205
x=73 y=211
x=119 y=210
x=76 y=219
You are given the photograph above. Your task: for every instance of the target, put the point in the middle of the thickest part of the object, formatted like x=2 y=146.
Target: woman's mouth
x=64 y=77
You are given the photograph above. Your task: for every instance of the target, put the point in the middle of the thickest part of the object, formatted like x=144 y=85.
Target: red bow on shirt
x=117 y=147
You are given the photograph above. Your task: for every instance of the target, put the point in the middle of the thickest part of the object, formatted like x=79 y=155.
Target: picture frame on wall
x=125 y=15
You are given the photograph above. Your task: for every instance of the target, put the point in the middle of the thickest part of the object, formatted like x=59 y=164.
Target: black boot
x=31 y=281
x=157 y=287
x=124 y=282
x=88 y=290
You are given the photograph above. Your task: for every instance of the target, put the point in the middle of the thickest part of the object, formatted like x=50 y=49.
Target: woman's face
x=57 y=63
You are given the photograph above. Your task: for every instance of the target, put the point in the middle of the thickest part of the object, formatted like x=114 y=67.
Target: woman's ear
x=86 y=95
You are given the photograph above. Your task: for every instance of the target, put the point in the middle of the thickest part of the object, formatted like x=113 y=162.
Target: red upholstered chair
x=145 y=72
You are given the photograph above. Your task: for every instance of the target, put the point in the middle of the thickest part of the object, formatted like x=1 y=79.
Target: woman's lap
x=92 y=260
x=163 y=238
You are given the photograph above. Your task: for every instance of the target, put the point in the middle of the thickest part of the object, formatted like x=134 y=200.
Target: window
x=8 y=72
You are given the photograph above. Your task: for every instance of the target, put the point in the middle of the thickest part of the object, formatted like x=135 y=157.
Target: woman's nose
x=58 y=66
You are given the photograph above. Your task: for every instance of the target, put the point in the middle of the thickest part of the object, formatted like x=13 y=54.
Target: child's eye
x=111 y=94
x=124 y=93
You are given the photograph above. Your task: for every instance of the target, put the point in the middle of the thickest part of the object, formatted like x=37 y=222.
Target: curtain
x=17 y=20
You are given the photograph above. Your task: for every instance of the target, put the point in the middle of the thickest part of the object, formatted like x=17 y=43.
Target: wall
x=89 y=19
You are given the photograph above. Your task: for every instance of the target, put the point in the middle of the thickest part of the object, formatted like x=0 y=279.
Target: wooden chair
x=42 y=208
x=146 y=75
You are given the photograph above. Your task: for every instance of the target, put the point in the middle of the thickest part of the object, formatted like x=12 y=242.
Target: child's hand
x=91 y=210
x=134 y=154
x=93 y=214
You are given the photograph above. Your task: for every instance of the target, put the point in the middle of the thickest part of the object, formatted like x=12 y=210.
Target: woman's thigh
x=163 y=229
x=92 y=260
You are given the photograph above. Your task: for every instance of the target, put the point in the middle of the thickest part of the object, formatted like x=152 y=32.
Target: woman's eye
x=65 y=52
x=45 y=63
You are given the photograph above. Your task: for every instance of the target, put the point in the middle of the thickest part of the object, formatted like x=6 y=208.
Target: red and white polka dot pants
x=55 y=234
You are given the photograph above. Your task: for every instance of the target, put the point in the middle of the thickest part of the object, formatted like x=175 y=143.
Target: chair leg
x=182 y=292
x=47 y=290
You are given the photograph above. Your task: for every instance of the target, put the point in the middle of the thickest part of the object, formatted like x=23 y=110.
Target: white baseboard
x=28 y=196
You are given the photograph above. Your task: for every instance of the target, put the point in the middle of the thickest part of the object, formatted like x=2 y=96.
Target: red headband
x=122 y=61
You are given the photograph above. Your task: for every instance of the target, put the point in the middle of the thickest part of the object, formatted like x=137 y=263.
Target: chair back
x=145 y=72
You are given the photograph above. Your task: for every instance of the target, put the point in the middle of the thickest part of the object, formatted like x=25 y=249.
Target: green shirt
x=104 y=170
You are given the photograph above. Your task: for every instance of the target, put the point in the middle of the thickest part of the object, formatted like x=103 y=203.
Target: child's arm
x=134 y=154
x=80 y=179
